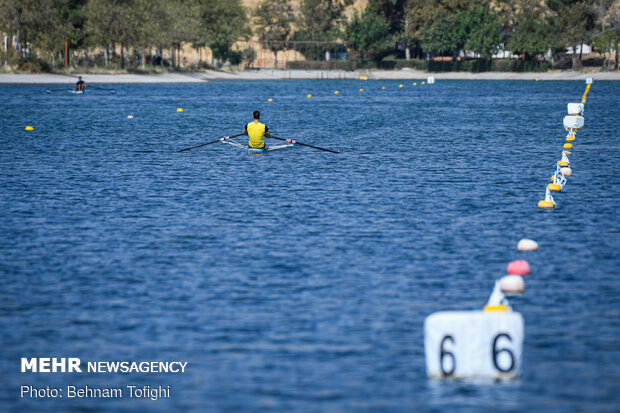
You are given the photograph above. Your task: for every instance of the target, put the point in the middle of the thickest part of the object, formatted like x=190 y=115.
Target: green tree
x=319 y=21
x=574 y=24
x=109 y=21
x=531 y=33
x=435 y=23
x=274 y=19
x=480 y=30
x=442 y=36
x=609 y=38
x=368 y=34
x=20 y=17
x=223 y=23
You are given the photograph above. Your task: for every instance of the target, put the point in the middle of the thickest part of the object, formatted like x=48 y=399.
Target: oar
x=102 y=88
x=303 y=144
x=57 y=90
x=209 y=143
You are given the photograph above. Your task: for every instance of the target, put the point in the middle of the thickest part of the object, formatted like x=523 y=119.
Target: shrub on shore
x=471 y=65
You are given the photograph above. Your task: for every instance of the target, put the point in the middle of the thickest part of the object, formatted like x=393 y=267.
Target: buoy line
x=457 y=343
x=573 y=122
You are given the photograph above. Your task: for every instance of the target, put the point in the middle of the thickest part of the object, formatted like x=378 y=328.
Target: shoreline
x=277 y=74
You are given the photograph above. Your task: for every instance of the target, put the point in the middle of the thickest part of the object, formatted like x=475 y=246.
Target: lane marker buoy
x=512 y=284
x=29 y=128
x=309 y=95
x=130 y=117
x=526 y=244
x=179 y=109
x=270 y=100
x=554 y=187
x=518 y=267
x=567 y=171
x=542 y=204
x=336 y=92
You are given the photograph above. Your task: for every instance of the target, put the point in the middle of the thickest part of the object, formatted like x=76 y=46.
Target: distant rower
x=79 y=85
x=256 y=130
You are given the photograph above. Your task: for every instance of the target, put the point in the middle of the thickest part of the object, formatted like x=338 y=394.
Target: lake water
x=300 y=280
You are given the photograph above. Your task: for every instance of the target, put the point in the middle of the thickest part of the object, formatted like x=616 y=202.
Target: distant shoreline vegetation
x=156 y=36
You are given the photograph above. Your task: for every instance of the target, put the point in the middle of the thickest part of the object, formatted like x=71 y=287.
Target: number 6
x=443 y=353
x=497 y=351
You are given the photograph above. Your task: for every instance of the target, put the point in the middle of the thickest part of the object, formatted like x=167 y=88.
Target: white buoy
x=466 y=344
x=430 y=80
x=527 y=245
x=512 y=284
x=588 y=80
x=566 y=171
x=575 y=108
x=573 y=122
x=129 y=117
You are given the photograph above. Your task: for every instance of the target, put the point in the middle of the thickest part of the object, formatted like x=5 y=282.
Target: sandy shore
x=266 y=74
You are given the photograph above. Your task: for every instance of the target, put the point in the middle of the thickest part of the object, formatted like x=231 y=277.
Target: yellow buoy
x=537 y=79
x=545 y=204
x=336 y=92
x=554 y=187
x=422 y=82
x=361 y=90
x=309 y=95
x=568 y=146
x=383 y=87
x=270 y=100
x=562 y=163
x=179 y=109
x=498 y=307
x=29 y=128
x=552 y=178
x=567 y=153
x=415 y=83
x=400 y=85
x=570 y=139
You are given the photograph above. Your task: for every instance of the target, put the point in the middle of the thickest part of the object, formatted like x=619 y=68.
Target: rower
x=79 y=85
x=256 y=130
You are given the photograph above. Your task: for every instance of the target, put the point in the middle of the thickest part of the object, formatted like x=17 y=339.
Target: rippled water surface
x=299 y=280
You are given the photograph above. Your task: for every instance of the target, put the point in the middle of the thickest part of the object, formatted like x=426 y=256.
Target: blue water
x=299 y=280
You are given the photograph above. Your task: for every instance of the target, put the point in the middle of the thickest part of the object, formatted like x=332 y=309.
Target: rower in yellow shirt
x=256 y=130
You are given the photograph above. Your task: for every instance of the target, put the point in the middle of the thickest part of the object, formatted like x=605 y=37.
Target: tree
x=319 y=21
x=531 y=34
x=222 y=24
x=574 y=23
x=426 y=19
x=19 y=17
x=274 y=19
x=368 y=33
x=110 y=21
x=443 y=35
x=480 y=30
x=609 y=39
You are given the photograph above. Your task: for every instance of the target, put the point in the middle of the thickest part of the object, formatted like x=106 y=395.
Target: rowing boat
x=258 y=151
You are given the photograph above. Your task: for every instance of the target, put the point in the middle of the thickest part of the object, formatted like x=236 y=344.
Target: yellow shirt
x=256 y=131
